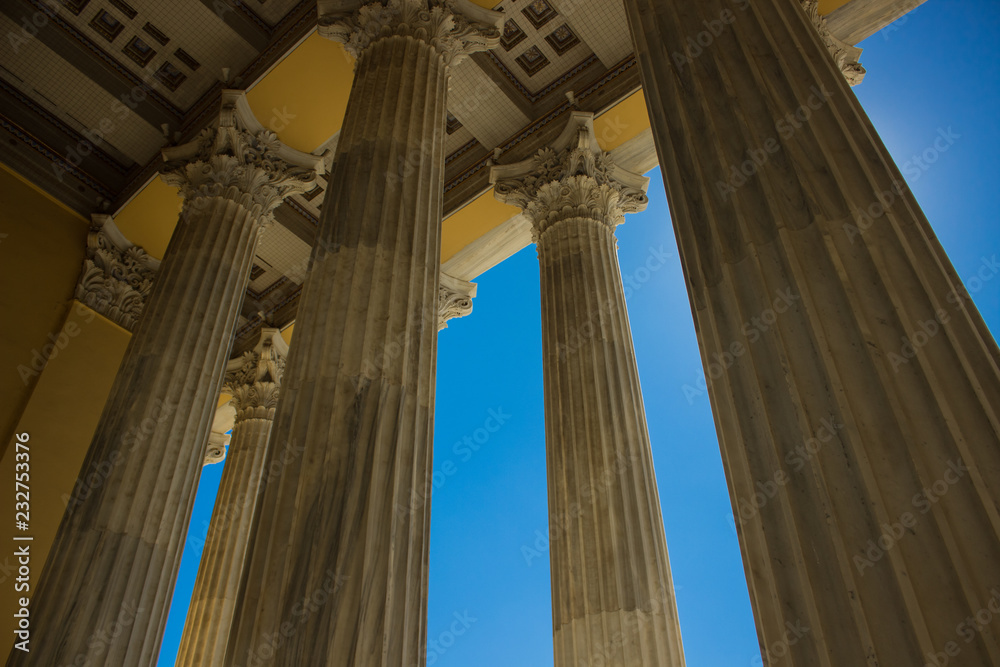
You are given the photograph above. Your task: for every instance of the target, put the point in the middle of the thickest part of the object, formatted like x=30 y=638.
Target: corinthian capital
x=573 y=178
x=455 y=28
x=117 y=275
x=254 y=379
x=844 y=55
x=239 y=159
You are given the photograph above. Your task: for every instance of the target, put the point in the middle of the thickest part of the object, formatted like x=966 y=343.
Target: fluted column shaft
x=106 y=588
x=253 y=382
x=855 y=386
x=336 y=575
x=612 y=592
x=612 y=595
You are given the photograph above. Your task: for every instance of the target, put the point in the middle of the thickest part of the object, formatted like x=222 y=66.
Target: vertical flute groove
x=871 y=355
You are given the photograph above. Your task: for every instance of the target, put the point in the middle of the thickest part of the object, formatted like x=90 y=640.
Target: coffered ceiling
x=91 y=91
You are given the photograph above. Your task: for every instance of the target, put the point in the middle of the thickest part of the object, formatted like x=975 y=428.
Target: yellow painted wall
x=42 y=246
x=827 y=6
x=304 y=98
x=622 y=122
x=60 y=419
x=149 y=219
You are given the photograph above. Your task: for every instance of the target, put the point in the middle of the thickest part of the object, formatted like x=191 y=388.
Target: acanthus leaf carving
x=117 y=276
x=456 y=28
x=254 y=380
x=573 y=178
x=241 y=160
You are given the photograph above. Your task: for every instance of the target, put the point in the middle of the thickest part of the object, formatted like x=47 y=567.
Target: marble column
x=254 y=382
x=105 y=590
x=334 y=575
x=855 y=387
x=612 y=594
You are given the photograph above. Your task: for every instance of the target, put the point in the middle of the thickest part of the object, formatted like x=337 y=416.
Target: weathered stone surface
x=612 y=592
x=119 y=545
x=855 y=386
x=354 y=427
x=254 y=382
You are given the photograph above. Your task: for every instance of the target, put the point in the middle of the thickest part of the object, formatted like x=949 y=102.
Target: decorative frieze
x=844 y=55
x=456 y=28
x=117 y=275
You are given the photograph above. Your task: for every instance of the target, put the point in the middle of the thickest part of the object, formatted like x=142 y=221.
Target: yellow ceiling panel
x=827 y=6
x=303 y=99
x=470 y=222
x=622 y=122
x=148 y=220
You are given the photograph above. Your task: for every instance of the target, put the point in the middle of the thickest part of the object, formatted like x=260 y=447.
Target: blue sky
x=935 y=71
